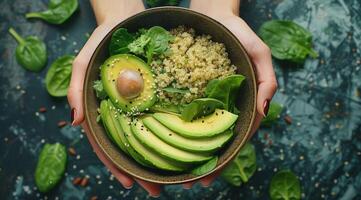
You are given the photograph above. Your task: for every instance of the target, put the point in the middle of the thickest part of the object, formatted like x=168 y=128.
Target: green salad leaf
x=242 y=168
x=119 y=42
x=206 y=167
x=58 y=11
x=175 y=90
x=156 y=3
x=57 y=79
x=225 y=90
x=51 y=166
x=31 y=52
x=274 y=112
x=287 y=40
x=99 y=89
x=285 y=186
x=200 y=107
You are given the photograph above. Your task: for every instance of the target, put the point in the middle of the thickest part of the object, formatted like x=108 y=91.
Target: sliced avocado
x=119 y=137
x=207 y=126
x=190 y=144
x=148 y=154
x=147 y=138
x=110 y=71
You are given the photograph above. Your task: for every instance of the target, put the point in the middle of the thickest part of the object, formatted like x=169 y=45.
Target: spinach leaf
x=285 y=186
x=156 y=3
x=138 y=45
x=287 y=40
x=200 y=107
x=175 y=90
x=58 y=11
x=242 y=168
x=274 y=112
x=51 y=166
x=31 y=52
x=57 y=79
x=206 y=167
x=119 y=42
x=225 y=90
x=99 y=89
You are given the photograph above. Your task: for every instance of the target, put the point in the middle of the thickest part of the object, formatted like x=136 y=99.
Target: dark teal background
x=322 y=145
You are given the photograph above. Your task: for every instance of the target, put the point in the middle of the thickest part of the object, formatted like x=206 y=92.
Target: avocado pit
x=130 y=84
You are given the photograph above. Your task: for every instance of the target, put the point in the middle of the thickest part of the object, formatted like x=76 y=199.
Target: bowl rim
x=138 y=176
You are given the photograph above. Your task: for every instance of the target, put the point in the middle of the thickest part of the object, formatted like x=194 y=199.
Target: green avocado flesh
x=207 y=126
x=147 y=153
x=150 y=140
x=209 y=144
x=110 y=71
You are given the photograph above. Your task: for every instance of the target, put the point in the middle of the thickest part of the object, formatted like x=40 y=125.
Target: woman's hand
x=227 y=13
x=108 y=13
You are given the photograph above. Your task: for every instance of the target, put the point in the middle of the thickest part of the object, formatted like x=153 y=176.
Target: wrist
x=216 y=8
x=111 y=12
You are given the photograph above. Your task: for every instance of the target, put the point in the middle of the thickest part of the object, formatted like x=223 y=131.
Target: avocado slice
x=149 y=139
x=148 y=154
x=207 y=126
x=209 y=144
x=110 y=71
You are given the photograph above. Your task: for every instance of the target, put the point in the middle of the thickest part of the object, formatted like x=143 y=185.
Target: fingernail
x=72 y=115
x=154 y=195
x=205 y=185
x=187 y=187
x=128 y=187
x=266 y=107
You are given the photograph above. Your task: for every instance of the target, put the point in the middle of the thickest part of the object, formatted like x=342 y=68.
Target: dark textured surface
x=322 y=145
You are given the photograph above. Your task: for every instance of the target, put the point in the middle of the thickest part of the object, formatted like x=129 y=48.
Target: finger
x=153 y=189
x=80 y=64
x=188 y=185
x=207 y=181
x=123 y=178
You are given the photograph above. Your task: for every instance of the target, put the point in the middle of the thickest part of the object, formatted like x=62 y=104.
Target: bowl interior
x=171 y=17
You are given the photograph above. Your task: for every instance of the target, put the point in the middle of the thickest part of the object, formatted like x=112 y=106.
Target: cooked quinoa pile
x=191 y=63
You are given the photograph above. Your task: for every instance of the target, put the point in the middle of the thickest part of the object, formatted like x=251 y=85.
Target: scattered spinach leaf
x=58 y=11
x=225 y=90
x=57 y=79
x=287 y=40
x=119 y=42
x=156 y=3
x=200 y=107
x=242 y=168
x=285 y=186
x=175 y=90
x=275 y=110
x=31 y=52
x=51 y=166
x=206 y=167
x=99 y=89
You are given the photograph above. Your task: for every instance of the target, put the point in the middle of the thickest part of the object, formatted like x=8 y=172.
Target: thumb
x=80 y=64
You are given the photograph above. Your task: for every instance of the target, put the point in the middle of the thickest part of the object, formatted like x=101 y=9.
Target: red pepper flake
x=288 y=119
x=94 y=198
x=77 y=181
x=72 y=151
x=42 y=109
x=84 y=182
x=62 y=123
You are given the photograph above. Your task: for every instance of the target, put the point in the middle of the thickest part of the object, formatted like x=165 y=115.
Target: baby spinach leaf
x=58 y=11
x=206 y=167
x=138 y=45
x=175 y=90
x=200 y=107
x=225 y=90
x=31 y=52
x=287 y=40
x=285 y=186
x=99 y=89
x=156 y=3
x=242 y=168
x=275 y=110
x=51 y=166
x=119 y=42
x=57 y=79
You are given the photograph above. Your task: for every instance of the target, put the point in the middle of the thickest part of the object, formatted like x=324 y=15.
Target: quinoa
x=192 y=61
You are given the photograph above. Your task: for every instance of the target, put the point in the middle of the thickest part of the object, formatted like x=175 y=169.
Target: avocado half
x=110 y=71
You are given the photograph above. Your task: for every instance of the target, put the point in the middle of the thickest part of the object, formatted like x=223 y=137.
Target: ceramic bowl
x=171 y=17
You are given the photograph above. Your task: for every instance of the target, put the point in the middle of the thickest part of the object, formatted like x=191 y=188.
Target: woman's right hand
x=108 y=13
